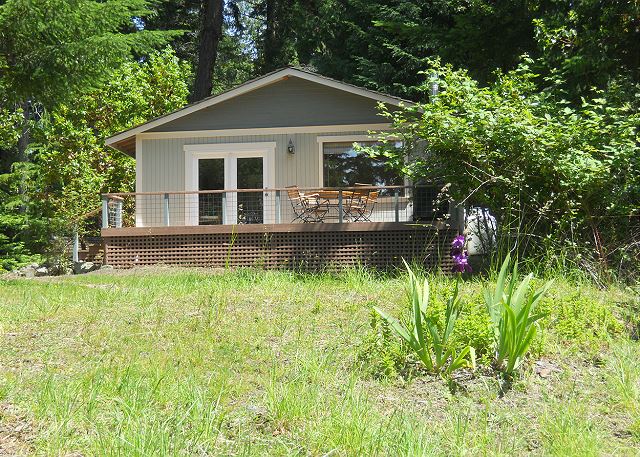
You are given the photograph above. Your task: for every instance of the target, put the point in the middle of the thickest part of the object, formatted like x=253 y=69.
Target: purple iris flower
x=459 y=255
x=461 y=263
x=457 y=245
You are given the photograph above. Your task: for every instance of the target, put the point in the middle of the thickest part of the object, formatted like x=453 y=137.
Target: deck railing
x=362 y=203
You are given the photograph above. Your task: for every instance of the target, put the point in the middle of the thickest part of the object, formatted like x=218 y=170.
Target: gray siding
x=293 y=102
x=161 y=165
x=161 y=161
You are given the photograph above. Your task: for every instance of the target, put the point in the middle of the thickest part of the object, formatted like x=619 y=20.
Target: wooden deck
x=328 y=246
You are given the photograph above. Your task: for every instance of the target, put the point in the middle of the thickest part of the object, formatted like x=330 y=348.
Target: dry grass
x=190 y=362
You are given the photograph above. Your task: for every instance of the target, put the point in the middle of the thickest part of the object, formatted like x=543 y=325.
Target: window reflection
x=345 y=167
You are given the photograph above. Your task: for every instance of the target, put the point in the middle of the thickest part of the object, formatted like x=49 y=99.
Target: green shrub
x=473 y=327
x=428 y=340
x=511 y=308
x=381 y=354
x=580 y=320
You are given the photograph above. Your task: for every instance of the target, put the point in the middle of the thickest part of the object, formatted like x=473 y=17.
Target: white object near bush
x=481 y=227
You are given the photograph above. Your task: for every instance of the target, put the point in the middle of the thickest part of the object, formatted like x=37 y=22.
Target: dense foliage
x=50 y=51
x=69 y=165
x=556 y=175
x=548 y=141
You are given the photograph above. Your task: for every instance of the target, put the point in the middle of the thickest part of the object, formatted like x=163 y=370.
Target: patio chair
x=306 y=207
x=362 y=204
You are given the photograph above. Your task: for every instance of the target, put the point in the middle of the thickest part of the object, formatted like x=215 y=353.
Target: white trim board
x=262 y=131
x=251 y=86
x=230 y=152
x=139 y=218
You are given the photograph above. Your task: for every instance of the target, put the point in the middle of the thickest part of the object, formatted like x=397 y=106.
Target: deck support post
x=396 y=204
x=76 y=245
x=457 y=216
x=340 y=213
x=166 y=210
x=278 y=215
x=105 y=211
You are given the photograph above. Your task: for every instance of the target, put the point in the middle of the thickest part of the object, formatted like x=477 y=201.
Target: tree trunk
x=23 y=141
x=23 y=145
x=210 y=36
x=270 y=37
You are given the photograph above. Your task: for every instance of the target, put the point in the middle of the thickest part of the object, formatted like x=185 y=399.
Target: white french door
x=231 y=166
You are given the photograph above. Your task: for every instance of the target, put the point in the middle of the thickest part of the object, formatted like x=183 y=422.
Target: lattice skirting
x=305 y=250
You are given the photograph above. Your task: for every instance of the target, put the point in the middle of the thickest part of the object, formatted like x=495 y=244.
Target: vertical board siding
x=161 y=162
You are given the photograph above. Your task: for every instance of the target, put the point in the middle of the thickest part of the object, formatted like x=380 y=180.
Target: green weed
x=511 y=308
x=429 y=342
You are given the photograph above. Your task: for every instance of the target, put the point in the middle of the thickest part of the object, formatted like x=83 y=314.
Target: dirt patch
x=16 y=432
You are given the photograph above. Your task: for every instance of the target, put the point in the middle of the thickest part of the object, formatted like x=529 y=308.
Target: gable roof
x=125 y=140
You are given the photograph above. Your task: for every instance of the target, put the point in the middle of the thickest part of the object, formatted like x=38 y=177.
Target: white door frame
x=230 y=152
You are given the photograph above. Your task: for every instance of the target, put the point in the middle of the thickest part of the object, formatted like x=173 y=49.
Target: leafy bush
x=563 y=177
x=580 y=319
x=511 y=308
x=473 y=326
x=424 y=336
x=68 y=163
x=382 y=354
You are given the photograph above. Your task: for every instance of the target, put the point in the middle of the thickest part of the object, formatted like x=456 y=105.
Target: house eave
x=128 y=145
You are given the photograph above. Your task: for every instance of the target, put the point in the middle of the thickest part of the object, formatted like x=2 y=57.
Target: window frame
x=346 y=139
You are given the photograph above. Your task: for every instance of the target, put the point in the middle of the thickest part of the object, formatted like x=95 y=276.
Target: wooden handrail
x=91 y=213
x=120 y=195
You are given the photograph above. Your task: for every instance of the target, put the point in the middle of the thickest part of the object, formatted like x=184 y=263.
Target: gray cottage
x=269 y=174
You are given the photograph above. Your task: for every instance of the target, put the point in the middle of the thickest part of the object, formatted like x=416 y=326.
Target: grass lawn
x=186 y=362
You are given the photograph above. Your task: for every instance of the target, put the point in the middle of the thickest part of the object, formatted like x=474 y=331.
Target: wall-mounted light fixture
x=291 y=149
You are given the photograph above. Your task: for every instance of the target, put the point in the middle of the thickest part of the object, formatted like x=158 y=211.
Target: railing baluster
x=224 y=208
x=396 y=204
x=240 y=207
x=166 y=210
x=105 y=211
x=118 y=221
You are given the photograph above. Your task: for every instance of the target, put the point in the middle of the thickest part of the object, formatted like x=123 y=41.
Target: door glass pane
x=250 y=204
x=210 y=177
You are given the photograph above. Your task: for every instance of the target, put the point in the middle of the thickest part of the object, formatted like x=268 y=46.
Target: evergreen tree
x=208 y=42
x=52 y=50
x=235 y=47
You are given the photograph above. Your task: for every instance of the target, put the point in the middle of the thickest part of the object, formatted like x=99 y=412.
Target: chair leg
x=357 y=217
